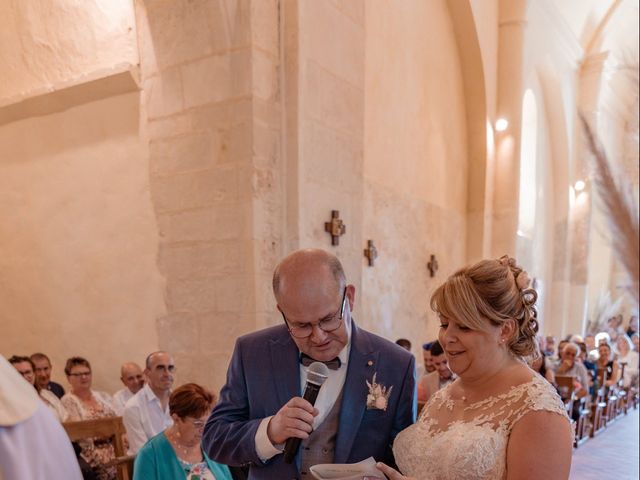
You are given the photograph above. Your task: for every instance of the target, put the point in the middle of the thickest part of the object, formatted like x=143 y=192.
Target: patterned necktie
x=306 y=360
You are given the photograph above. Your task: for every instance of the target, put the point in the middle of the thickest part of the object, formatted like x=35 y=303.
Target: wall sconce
x=502 y=124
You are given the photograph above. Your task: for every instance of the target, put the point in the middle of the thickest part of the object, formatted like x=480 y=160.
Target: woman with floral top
x=83 y=403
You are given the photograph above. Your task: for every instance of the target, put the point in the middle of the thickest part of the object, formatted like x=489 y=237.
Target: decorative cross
x=433 y=266
x=371 y=252
x=335 y=227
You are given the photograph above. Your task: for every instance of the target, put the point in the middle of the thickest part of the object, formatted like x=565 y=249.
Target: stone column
x=211 y=96
x=512 y=24
x=578 y=238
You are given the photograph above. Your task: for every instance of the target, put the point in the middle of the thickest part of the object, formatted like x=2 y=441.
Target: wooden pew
x=110 y=428
x=567 y=392
x=598 y=408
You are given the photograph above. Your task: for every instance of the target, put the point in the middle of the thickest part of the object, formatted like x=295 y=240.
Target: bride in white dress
x=499 y=419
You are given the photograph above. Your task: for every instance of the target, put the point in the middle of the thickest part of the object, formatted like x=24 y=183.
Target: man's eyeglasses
x=80 y=374
x=329 y=324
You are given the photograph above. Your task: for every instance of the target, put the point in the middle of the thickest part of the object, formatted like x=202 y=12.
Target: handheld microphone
x=317 y=373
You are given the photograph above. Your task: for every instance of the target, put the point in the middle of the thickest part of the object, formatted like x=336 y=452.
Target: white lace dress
x=453 y=440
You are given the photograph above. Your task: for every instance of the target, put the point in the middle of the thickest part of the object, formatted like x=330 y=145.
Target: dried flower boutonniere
x=378 y=396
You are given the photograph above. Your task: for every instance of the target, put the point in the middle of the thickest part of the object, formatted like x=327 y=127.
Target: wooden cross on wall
x=371 y=252
x=433 y=266
x=335 y=227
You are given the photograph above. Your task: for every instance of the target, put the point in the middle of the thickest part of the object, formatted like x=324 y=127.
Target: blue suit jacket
x=264 y=375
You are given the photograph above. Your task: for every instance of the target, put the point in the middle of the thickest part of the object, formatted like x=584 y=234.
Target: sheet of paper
x=347 y=471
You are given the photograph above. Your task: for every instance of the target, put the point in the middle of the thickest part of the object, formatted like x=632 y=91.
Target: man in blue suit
x=368 y=397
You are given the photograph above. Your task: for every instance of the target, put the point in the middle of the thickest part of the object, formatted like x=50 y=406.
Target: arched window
x=528 y=145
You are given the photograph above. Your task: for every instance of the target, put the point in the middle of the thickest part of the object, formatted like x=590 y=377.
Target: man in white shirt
x=367 y=398
x=133 y=380
x=147 y=413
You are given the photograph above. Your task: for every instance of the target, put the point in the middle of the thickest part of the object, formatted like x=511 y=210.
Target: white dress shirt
x=327 y=397
x=144 y=418
x=120 y=398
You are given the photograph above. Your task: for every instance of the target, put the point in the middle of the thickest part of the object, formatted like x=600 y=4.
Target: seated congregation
x=151 y=430
x=596 y=376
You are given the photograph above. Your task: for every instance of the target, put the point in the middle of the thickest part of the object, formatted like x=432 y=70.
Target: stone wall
x=411 y=146
x=211 y=86
x=78 y=235
x=79 y=239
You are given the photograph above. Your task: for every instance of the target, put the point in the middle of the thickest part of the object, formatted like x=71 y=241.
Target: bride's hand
x=391 y=473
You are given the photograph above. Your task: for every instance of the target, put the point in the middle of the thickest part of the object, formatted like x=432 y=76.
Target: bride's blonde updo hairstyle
x=490 y=293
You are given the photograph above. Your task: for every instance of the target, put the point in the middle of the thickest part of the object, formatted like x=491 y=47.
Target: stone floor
x=611 y=454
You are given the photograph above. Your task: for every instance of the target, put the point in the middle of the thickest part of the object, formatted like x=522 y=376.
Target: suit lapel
x=362 y=365
x=284 y=364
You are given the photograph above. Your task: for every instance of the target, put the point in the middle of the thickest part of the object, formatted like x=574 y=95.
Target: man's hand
x=295 y=419
x=565 y=365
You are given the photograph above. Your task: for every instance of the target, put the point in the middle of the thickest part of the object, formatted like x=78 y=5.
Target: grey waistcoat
x=320 y=446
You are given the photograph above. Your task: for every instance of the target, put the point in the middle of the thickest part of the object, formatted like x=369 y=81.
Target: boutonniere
x=378 y=396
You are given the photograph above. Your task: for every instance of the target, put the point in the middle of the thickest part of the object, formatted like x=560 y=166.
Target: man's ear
x=351 y=295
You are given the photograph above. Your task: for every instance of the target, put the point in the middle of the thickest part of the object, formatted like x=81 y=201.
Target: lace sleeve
x=541 y=396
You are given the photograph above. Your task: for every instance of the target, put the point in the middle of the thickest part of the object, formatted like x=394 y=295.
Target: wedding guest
x=176 y=452
x=614 y=327
x=633 y=325
x=550 y=346
x=404 y=343
x=606 y=363
x=133 y=380
x=43 y=374
x=592 y=350
x=426 y=366
x=84 y=403
x=542 y=366
x=440 y=378
x=556 y=358
x=498 y=416
x=602 y=337
x=147 y=413
x=26 y=368
x=569 y=366
x=592 y=369
x=635 y=340
x=630 y=358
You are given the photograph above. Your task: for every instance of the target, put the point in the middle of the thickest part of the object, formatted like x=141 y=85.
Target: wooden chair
x=110 y=428
x=611 y=400
x=598 y=408
x=572 y=402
